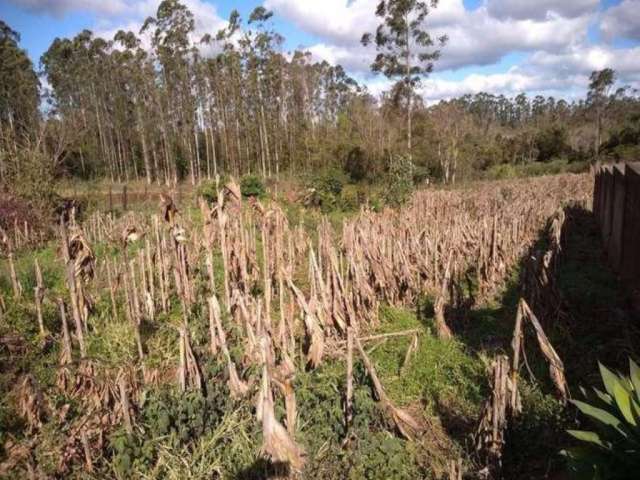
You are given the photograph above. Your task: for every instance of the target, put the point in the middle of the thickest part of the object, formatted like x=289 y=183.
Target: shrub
x=34 y=180
x=399 y=180
x=420 y=174
x=252 y=186
x=502 y=172
x=551 y=143
x=208 y=191
x=16 y=210
x=357 y=165
x=612 y=449
x=330 y=181
x=325 y=189
x=29 y=192
x=351 y=200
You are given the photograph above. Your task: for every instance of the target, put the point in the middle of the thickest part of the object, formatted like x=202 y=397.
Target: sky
x=546 y=47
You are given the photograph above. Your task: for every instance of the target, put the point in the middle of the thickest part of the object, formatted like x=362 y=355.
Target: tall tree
x=600 y=83
x=19 y=97
x=404 y=46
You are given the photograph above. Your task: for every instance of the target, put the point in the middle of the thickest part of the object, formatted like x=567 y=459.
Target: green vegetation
x=399 y=185
x=611 y=450
x=552 y=167
x=252 y=186
x=218 y=434
x=187 y=117
x=303 y=136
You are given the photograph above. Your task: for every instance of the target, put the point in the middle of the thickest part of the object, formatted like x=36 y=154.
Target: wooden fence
x=616 y=205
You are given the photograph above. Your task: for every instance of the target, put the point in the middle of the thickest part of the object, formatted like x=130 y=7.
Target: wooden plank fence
x=616 y=205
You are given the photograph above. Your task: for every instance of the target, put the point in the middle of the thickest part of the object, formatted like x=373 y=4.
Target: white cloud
x=561 y=75
x=539 y=9
x=342 y=21
x=475 y=37
x=623 y=20
x=509 y=83
x=114 y=15
x=552 y=33
x=480 y=39
x=583 y=60
x=60 y=7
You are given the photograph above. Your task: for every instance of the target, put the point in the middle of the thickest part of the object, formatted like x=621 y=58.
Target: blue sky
x=39 y=26
x=501 y=46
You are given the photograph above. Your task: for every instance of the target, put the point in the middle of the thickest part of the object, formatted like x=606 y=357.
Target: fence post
x=615 y=246
x=124 y=198
x=630 y=270
x=597 y=192
x=607 y=205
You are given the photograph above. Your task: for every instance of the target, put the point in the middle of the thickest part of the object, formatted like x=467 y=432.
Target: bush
x=325 y=189
x=16 y=210
x=29 y=192
x=252 y=186
x=611 y=450
x=34 y=180
x=551 y=143
x=502 y=172
x=330 y=181
x=208 y=191
x=535 y=433
x=399 y=180
x=357 y=165
x=420 y=174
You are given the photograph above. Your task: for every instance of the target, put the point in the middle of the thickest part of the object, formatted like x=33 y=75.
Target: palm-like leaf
x=613 y=450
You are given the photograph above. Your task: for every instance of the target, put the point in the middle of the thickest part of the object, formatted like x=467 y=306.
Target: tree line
x=161 y=106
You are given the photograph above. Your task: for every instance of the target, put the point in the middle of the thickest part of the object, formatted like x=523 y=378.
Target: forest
x=220 y=259
x=233 y=102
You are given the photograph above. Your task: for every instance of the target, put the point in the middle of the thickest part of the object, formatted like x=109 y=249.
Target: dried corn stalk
x=65 y=352
x=283 y=376
x=315 y=334
x=237 y=387
x=489 y=438
x=455 y=469
x=32 y=405
x=443 y=329
x=39 y=291
x=188 y=371
x=124 y=402
x=277 y=443
x=556 y=367
x=405 y=423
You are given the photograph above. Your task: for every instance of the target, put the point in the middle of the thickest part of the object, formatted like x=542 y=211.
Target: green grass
x=441 y=371
x=534 y=169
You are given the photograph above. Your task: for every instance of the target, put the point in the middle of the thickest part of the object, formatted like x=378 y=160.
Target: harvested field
x=219 y=340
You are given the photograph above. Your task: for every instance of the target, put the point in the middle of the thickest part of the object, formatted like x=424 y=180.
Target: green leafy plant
x=612 y=449
x=325 y=189
x=252 y=186
x=400 y=180
x=208 y=191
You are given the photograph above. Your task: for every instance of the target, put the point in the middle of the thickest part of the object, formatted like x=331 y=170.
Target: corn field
x=232 y=293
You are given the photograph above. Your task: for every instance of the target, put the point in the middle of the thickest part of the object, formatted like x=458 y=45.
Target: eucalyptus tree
x=600 y=83
x=404 y=46
x=134 y=83
x=173 y=25
x=19 y=97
